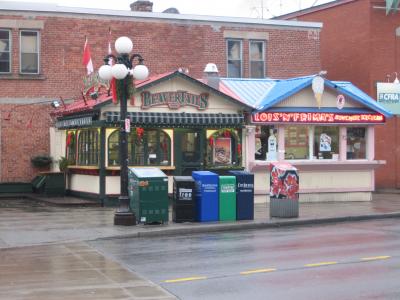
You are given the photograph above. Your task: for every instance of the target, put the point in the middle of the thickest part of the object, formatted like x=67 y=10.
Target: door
x=188 y=151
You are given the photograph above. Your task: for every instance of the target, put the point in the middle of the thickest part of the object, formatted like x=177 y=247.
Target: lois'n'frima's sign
x=174 y=100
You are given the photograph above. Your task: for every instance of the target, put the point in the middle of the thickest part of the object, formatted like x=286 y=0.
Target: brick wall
x=165 y=45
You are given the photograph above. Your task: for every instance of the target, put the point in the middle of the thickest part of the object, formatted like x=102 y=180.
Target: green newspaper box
x=148 y=193
x=227 y=198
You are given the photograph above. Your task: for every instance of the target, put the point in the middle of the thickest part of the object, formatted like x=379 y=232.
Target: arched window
x=146 y=147
x=88 y=147
x=224 y=148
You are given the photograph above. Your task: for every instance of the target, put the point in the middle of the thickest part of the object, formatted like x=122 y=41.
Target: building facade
x=360 y=42
x=41 y=60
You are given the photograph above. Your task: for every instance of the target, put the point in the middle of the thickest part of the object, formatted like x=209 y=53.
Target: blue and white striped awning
x=178 y=119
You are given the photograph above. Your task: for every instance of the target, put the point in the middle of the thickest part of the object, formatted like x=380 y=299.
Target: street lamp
x=123 y=71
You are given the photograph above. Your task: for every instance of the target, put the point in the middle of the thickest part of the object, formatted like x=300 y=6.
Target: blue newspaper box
x=244 y=195
x=206 y=195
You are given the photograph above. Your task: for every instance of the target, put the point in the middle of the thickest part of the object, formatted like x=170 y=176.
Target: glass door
x=188 y=151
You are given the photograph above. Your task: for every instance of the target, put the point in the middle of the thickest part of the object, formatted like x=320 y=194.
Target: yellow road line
x=185 y=279
x=374 y=258
x=257 y=271
x=325 y=263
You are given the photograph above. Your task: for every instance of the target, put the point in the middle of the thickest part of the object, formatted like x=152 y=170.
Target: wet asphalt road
x=358 y=260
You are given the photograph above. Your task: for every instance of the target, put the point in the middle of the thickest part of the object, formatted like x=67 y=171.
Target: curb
x=212 y=228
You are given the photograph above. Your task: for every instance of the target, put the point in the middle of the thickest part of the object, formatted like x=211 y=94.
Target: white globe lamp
x=140 y=72
x=119 y=71
x=123 y=45
x=105 y=72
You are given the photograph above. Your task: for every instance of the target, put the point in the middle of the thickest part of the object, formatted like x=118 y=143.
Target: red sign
x=281 y=117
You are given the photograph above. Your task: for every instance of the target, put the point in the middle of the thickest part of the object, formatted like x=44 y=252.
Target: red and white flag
x=87 y=59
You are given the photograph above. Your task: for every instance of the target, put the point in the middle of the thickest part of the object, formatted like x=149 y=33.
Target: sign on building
x=388 y=95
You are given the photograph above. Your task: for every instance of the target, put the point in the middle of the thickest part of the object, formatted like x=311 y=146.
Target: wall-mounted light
x=55 y=104
x=396 y=80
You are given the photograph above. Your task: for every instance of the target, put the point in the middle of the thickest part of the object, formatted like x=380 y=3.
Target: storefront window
x=224 y=148
x=145 y=147
x=296 y=142
x=356 y=143
x=88 y=147
x=326 y=142
x=266 y=143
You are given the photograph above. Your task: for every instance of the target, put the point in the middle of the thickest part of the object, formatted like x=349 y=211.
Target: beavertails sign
x=174 y=100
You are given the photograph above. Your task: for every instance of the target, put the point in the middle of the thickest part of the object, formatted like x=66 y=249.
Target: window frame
x=263 y=58
x=240 y=54
x=9 y=50
x=37 y=53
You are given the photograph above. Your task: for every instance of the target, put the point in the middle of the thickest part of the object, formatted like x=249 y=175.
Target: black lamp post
x=124 y=72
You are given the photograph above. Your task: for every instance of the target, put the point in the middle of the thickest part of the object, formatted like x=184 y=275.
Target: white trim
x=9 y=50
x=38 y=50
x=48 y=7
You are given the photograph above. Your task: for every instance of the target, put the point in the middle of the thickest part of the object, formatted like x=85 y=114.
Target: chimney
x=141 y=5
x=211 y=76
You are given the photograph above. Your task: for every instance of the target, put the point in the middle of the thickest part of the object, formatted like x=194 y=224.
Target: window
x=257 y=59
x=326 y=142
x=29 y=52
x=88 y=147
x=148 y=147
x=224 y=148
x=266 y=143
x=296 y=142
x=356 y=143
x=5 y=45
x=234 y=49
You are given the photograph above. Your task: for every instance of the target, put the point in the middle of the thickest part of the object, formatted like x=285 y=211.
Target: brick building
x=360 y=43
x=41 y=59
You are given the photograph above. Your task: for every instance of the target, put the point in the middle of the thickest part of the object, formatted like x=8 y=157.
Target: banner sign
x=328 y=118
x=174 y=100
x=388 y=95
x=77 y=122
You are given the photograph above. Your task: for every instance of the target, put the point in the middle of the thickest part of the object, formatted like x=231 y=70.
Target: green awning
x=158 y=119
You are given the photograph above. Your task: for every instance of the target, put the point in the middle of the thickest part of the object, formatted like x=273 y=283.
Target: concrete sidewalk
x=24 y=222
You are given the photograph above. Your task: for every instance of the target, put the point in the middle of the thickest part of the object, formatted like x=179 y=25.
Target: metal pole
x=124 y=215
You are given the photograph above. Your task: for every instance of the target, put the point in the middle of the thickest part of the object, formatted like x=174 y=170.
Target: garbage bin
x=227 y=198
x=183 y=203
x=206 y=195
x=284 y=187
x=148 y=192
x=244 y=195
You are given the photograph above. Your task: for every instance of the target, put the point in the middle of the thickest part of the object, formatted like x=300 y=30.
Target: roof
x=54 y=8
x=263 y=94
x=312 y=9
x=81 y=105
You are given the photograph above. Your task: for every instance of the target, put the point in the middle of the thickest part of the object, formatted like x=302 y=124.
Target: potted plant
x=41 y=161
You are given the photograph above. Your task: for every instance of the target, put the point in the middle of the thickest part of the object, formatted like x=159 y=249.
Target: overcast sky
x=234 y=8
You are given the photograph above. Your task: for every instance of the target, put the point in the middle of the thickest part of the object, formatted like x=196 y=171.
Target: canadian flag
x=87 y=59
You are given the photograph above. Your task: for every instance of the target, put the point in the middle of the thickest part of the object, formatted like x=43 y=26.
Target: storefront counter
x=324 y=180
